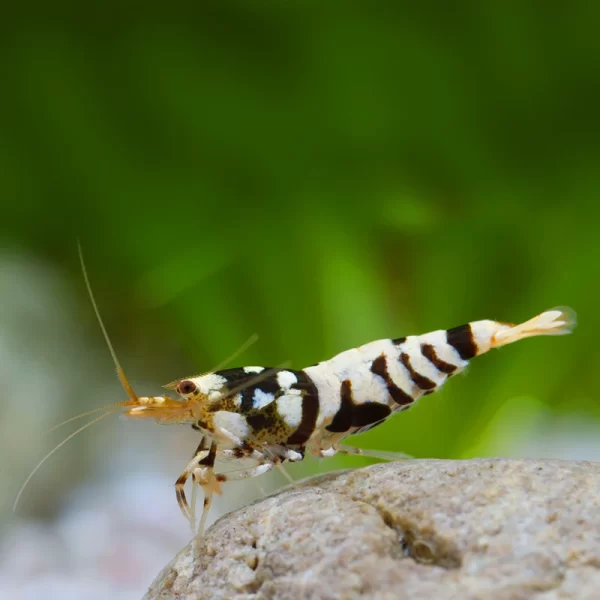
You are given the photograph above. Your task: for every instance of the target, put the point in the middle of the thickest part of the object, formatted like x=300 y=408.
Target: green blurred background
x=322 y=174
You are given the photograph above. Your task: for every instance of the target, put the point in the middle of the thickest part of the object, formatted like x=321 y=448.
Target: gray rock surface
x=422 y=529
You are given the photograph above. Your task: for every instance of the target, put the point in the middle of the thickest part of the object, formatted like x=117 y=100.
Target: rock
x=421 y=529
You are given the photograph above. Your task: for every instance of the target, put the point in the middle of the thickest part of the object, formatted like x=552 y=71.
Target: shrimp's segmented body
x=262 y=417
x=273 y=415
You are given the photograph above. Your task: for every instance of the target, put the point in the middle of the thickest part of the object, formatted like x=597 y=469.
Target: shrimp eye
x=186 y=387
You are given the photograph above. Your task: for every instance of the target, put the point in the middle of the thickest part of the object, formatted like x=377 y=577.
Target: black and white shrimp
x=269 y=416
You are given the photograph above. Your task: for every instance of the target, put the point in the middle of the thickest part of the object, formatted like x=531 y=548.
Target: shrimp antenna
x=55 y=449
x=84 y=414
x=249 y=342
x=112 y=408
x=122 y=378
